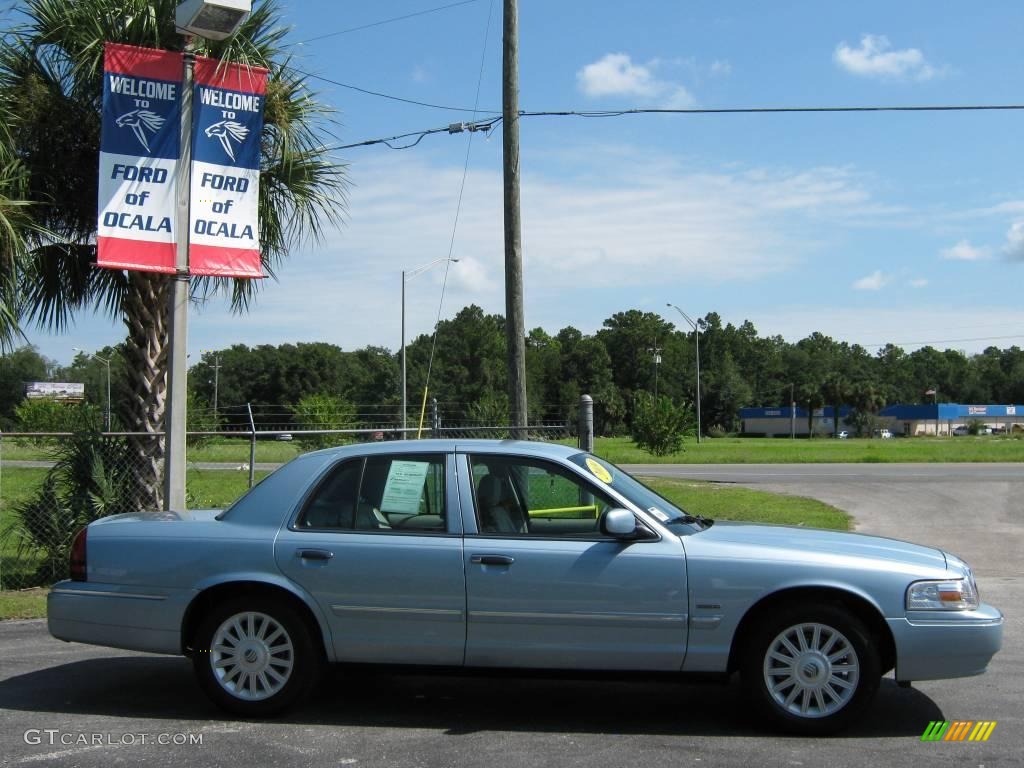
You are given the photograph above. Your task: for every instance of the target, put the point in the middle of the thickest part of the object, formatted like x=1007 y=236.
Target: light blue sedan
x=524 y=555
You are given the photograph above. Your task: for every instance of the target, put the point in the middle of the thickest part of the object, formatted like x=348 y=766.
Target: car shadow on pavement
x=457 y=704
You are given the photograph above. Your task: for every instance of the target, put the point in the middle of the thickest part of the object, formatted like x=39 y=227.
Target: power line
x=387 y=21
x=941 y=341
x=474 y=127
x=769 y=110
x=390 y=97
x=490 y=123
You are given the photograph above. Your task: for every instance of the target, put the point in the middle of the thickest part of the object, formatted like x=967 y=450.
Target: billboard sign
x=55 y=390
x=226 y=126
x=139 y=148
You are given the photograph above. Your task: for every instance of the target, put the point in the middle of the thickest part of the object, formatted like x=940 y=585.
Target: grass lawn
x=222 y=449
x=728 y=502
x=735 y=450
x=23 y=604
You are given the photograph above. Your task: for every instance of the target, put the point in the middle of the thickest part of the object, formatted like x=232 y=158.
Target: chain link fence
x=53 y=484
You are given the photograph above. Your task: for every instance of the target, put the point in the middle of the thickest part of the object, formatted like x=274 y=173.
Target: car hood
x=783 y=541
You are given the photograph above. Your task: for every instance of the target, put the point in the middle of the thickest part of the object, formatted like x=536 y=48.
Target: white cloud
x=1014 y=248
x=615 y=74
x=875 y=58
x=720 y=68
x=964 y=251
x=918 y=282
x=873 y=282
x=591 y=242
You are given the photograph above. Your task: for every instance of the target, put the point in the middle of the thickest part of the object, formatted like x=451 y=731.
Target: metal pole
x=252 y=446
x=514 y=322
x=216 y=383
x=175 y=419
x=106 y=415
x=404 y=392
x=792 y=414
x=696 y=330
x=586 y=424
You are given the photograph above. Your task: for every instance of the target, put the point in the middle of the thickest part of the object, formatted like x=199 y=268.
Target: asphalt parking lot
x=77 y=705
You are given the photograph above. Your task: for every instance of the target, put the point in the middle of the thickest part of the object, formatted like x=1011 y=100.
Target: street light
x=408 y=275
x=106 y=362
x=696 y=329
x=211 y=19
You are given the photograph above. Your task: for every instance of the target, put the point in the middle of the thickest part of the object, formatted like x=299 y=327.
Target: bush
x=323 y=412
x=45 y=414
x=90 y=479
x=658 y=425
x=717 y=430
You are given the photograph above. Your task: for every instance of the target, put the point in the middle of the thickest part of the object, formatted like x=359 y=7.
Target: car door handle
x=492 y=559
x=315 y=554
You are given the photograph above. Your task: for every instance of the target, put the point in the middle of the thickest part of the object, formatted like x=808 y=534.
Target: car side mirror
x=618 y=523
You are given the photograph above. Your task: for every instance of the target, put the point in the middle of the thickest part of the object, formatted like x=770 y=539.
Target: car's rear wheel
x=812 y=669
x=255 y=656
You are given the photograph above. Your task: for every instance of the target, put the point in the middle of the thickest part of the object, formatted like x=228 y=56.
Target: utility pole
x=656 y=351
x=515 y=326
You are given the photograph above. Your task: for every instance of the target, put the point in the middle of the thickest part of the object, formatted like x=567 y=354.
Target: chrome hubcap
x=811 y=670
x=252 y=656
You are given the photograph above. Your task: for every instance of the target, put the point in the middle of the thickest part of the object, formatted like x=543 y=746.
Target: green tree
x=658 y=425
x=51 y=81
x=17 y=368
x=323 y=412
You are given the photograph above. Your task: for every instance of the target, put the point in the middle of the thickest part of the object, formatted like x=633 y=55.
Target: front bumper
x=932 y=645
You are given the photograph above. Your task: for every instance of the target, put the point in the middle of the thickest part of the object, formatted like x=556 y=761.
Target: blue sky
x=869 y=227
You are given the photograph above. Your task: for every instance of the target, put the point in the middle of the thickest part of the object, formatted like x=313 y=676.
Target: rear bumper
x=115 y=616
x=935 y=646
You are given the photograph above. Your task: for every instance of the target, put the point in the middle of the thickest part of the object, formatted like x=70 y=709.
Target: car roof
x=516 y=447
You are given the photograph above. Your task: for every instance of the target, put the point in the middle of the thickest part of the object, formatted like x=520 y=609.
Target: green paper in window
x=404 y=487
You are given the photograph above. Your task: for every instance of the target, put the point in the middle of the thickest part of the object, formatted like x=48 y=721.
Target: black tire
x=262 y=678
x=845 y=684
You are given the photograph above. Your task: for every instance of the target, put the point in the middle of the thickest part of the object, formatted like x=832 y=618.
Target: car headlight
x=949 y=595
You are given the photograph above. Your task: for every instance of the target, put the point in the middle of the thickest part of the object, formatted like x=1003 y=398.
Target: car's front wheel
x=254 y=657
x=812 y=669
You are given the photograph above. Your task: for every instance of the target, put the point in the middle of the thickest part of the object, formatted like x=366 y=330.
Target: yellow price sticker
x=599 y=472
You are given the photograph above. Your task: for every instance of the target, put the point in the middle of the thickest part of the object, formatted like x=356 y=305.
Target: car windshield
x=664 y=511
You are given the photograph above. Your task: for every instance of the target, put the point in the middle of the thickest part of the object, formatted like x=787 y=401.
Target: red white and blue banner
x=227 y=119
x=139 y=149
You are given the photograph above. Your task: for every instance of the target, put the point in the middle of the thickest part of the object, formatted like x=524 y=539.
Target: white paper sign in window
x=404 y=487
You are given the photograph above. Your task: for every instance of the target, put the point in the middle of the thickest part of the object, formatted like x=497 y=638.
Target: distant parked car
x=843 y=435
x=961 y=430
x=504 y=554
x=885 y=434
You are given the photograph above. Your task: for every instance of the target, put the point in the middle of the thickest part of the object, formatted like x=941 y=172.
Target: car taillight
x=78 y=556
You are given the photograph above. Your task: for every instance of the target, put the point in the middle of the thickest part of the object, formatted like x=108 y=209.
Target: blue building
x=925 y=419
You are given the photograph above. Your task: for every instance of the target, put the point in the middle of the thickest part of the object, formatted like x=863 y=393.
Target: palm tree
x=51 y=71
x=14 y=221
